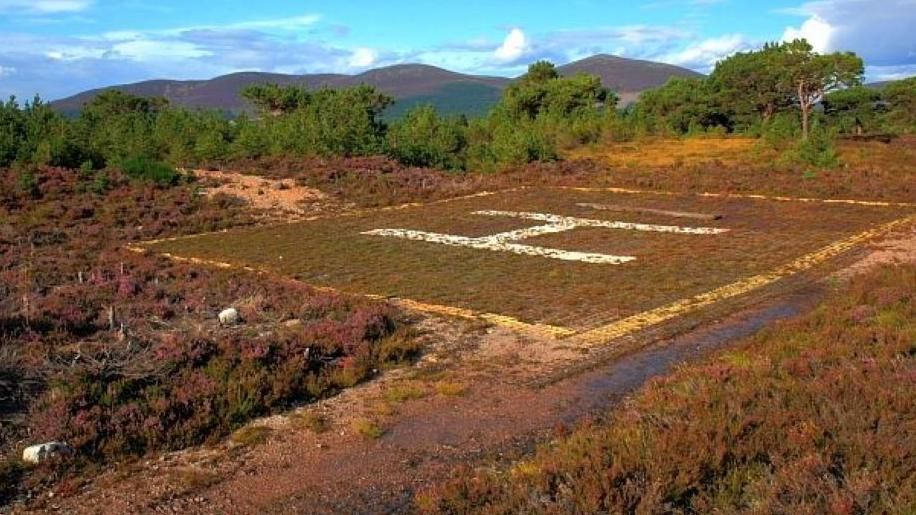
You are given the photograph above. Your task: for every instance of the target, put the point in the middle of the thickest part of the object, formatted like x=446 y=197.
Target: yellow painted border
x=607 y=333
x=752 y=196
x=656 y=316
x=541 y=330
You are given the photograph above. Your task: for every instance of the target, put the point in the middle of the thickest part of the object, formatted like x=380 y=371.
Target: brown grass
x=368 y=429
x=403 y=392
x=314 y=422
x=451 y=388
x=656 y=153
x=868 y=170
x=813 y=416
x=251 y=436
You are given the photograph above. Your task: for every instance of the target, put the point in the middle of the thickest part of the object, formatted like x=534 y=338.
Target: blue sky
x=60 y=47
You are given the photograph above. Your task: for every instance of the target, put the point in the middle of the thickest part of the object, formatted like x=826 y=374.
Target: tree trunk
x=803 y=104
x=804 y=109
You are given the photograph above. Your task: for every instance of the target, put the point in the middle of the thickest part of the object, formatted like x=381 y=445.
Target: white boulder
x=230 y=316
x=39 y=453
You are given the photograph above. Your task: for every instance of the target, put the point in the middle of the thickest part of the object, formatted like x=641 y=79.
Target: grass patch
x=368 y=429
x=401 y=347
x=251 y=436
x=451 y=388
x=314 y=422
x=383 y=409
x=195 y=479
x=403 y=392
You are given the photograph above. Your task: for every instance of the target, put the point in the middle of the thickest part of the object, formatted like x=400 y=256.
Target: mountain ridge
x=410 y=84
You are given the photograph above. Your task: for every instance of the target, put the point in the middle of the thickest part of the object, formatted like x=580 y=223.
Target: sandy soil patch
x=281 y=198
x=897 y=247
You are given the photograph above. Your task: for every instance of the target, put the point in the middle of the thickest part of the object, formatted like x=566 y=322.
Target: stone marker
x=229 y=316
x=46 y=451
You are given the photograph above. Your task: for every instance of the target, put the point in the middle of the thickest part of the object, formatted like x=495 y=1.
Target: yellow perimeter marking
x=606 y=334
x=542 y=330
x=872 y=203
x=358 y=212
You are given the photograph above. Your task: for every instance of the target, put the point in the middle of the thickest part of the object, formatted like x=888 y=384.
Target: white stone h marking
x=505 y=241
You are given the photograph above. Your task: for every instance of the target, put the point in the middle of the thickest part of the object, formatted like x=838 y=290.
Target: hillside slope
x=628 y=77
x=409 y=84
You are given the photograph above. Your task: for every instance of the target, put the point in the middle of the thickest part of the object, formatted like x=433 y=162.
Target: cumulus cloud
x=706 y=53
x=45 y=6
x=519 y=48
x=513 y=48
x=816 y=30
x=881 y=32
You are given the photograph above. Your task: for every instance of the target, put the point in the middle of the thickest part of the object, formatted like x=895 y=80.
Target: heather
x=814 y=415
x=120 y=354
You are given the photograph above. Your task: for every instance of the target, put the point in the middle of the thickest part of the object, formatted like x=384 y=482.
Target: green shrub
x=86 y=168
x=500 y=142
x=148 y=170
x=28 y=182
x=901 y=99
x=100 y=183
x=818 y=150
x=781 y=128
x=423 y=138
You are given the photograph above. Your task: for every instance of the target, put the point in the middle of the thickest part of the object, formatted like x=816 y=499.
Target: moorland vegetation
x=810 y=416
x=119 y=353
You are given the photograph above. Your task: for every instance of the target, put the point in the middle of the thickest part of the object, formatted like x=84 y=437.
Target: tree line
x=785 y=88
x=783 y=91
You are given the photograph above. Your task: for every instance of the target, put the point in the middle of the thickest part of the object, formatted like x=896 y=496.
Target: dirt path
x=474 y=404
x=274 y=199
x=497 y=419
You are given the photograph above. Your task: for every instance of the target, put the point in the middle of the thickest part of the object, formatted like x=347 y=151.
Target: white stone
x=46 y=451
x=229 y=316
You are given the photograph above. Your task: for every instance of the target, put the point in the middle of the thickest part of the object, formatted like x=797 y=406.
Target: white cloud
x=6 y=71
x=881 y=73
x=705 y=54
x=152 y=50
x=363 y=58
x=880 y=32
x=816 y=30
x=291 y=23
x=514 y=46
x=45 y=6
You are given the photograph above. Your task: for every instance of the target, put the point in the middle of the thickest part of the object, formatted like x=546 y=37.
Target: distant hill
x=627 y=77
x=409 y=84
